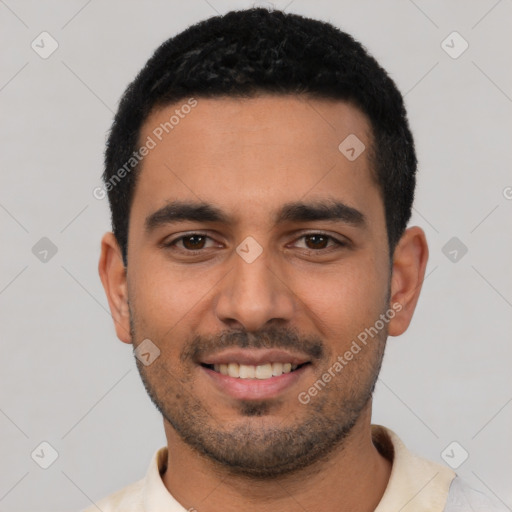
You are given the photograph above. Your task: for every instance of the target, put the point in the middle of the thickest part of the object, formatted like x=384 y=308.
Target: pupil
x=317 y=240
x=193 y=242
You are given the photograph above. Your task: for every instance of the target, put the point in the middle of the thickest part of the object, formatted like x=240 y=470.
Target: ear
x=409 y=264
x=113 y=277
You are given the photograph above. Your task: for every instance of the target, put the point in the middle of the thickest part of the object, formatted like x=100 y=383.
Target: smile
x=249 y=371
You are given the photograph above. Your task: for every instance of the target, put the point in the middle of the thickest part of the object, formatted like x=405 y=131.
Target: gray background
x=67 y=380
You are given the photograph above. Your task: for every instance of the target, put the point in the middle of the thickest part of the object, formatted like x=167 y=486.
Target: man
x=261 y=173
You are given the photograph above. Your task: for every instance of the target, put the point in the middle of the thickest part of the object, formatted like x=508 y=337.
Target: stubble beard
x=255 y=447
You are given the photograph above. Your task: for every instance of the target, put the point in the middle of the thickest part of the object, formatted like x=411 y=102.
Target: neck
x=352 y=478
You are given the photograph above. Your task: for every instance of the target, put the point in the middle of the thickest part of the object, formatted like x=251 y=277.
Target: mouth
x=247 y=374
x=249 y=371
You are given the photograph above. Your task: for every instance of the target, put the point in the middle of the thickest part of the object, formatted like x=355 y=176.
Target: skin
x=248 y=157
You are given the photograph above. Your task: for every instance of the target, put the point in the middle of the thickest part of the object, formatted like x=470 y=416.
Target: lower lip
x=255 y=389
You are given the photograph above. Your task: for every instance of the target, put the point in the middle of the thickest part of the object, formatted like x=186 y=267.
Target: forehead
x=250 y=156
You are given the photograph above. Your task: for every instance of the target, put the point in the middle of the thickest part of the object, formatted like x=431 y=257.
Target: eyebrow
x=328 y=210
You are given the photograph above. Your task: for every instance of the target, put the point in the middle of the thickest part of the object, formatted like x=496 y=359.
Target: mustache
x=200 y=346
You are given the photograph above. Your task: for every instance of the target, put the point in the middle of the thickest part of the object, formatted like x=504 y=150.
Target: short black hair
x=257 y=51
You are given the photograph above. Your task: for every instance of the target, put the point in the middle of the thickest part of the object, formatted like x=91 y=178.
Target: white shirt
x=415 y=485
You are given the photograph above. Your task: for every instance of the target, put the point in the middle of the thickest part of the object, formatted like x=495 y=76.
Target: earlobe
x=409 y=264
x=113 y=277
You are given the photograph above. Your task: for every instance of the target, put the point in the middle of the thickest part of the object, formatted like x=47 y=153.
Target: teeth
x=249 y=371
x=234 y=370
x=263 y=371
x=277 y=369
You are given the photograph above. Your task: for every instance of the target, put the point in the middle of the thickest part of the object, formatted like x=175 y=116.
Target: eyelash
x=337 y=243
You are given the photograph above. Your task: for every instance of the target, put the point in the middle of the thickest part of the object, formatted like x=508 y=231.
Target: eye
x=191 y=243
x=196 y=243
x=320 y=241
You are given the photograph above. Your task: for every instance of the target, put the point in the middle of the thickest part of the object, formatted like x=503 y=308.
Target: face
x=257 y=256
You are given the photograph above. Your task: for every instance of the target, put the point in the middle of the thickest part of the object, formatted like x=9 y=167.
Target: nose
x=253 y=295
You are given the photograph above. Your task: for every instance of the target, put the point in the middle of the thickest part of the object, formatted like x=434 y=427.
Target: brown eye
x=316 y=241
x=193 y=242
x=319 y=243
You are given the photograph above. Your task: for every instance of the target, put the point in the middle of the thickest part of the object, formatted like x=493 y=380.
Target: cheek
x=344 y=301
x=164 y=294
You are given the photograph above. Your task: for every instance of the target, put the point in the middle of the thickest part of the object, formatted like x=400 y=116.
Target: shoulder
x=136 y=496
x=463 y=498
x=127 y=499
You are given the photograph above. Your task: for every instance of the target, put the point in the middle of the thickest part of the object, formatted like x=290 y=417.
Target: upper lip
x=254 y=357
